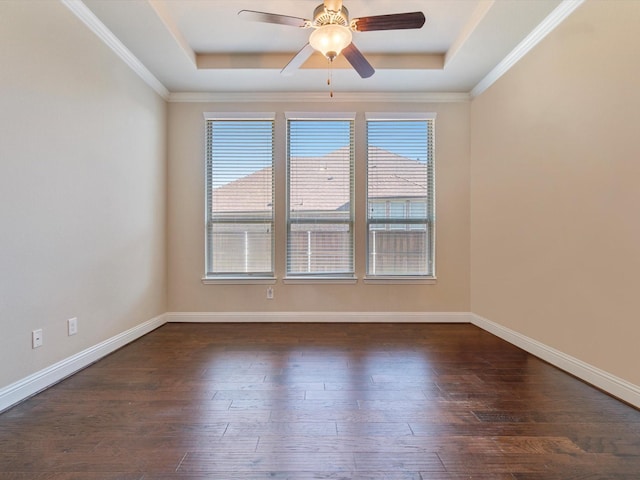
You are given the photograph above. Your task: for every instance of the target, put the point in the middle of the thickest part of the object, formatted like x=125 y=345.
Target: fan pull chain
x=330 y=76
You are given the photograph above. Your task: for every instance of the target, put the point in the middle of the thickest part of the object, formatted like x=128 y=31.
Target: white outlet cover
x=72 y=326
x=36 y=338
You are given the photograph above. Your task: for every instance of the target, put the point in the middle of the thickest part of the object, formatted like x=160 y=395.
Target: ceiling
x=204 y=46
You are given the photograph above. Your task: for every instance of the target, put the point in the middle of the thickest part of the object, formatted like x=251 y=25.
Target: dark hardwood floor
x=320 y=401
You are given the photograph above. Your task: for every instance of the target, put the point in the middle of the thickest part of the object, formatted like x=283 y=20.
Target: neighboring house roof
x=406 y=178
x=246 y=194
x=322 y=183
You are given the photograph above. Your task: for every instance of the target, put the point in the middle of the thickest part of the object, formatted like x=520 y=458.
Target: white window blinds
x=400 y=197
x=240 y=194
x=320 y=159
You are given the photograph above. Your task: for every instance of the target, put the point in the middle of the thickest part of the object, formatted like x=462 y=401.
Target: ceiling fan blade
x=333 y=5
x=357 y=61
x=297 y=61
x=395 y=21
x=272 y=18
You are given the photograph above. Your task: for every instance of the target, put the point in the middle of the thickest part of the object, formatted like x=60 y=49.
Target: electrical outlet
x=270 y=293
x=36 y=338
x=72 y=326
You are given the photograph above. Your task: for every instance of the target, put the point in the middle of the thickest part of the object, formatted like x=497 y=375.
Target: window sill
x=239 y=280
x=310 y=279
x=391 y=280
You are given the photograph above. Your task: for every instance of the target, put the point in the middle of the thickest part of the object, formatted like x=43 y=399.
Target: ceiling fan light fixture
x=330 y=40
x=332 y=32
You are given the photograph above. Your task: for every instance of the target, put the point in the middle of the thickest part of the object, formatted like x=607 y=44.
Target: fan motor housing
x=322 y=16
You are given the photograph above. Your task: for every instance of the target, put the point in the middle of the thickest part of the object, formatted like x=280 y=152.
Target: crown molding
x=555 y=18
x=306 y=97
x=86 y=16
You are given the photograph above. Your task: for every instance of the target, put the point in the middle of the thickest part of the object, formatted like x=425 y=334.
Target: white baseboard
x=327 y=317
x=611 y=384
x=36 y=382
x=28 y=386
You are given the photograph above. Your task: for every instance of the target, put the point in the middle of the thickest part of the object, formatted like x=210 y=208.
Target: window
x=239 y=192
x=400 y=196
x=320 y=160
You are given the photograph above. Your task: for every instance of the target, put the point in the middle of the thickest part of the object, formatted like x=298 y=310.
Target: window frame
x=321 y=277
x=261 y=277
x=410 y=225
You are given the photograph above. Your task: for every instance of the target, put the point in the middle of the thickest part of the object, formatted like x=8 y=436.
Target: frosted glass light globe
x=330 y=40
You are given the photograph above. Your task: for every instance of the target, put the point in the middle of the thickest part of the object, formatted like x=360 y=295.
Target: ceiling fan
x=332 y=32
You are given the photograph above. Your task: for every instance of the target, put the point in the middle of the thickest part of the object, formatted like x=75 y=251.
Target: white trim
x=319 y=97
x=239 y=115
x=86 y=16
x=320 y=115
x=36 y=382
x=555 y=18
x=611 y=384
x=315 y=317
x=375 y=116
x=302 y=279
x=400 y=280
x=248 y=280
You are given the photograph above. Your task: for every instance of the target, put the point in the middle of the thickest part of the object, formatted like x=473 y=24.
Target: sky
x=242 y=148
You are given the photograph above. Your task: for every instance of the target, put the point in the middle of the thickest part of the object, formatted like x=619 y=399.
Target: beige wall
x=82 y=189
x=555 y=191
x=186 y=221
x=537 y=188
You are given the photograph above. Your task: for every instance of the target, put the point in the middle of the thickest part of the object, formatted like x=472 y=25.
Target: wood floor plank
x=108 y=461
x=408 y=394
x=384 y=429
x=71 y=476
x=281 y=428
x=554 y=465
x=293 y=404
x=183 y=443
x=578 y=475
x=536 y=445
x=320 y=401
x=319 y=475
x=375 y=444
x=264 y=395
x=399 y=462
x=196 y=462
